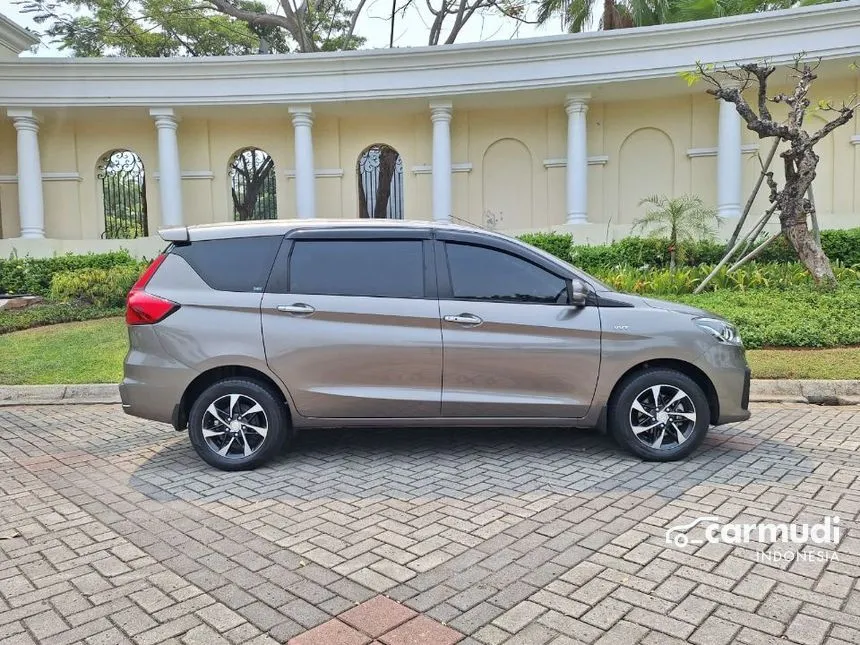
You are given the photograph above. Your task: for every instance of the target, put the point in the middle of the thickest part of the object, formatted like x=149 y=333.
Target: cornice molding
x=428 y=169
x=46 y=176
x=318 y=173
x=190 y=174
x=747 y=149
x=570 y=63
x=14 y=37
x=561 y=162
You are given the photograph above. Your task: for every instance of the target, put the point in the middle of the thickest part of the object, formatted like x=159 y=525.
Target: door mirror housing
x=578 y=292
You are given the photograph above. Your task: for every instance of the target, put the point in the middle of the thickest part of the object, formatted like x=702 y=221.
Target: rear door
x=351 y=324
x=513 y=344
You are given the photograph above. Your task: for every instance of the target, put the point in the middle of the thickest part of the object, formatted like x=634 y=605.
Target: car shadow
x=435 y=463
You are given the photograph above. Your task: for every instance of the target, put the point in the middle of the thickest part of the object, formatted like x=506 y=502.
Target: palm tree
x=577 y=15
x=683 y=220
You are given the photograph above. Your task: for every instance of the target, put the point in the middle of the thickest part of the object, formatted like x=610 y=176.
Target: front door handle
x=464 y=319
x=298 y=309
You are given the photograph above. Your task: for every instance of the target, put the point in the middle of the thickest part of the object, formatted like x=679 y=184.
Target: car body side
x=167 y=363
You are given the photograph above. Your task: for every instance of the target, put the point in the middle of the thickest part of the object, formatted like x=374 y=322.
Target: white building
x=564 y=132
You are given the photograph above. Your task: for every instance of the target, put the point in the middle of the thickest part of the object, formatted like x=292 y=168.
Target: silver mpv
x=246 y=332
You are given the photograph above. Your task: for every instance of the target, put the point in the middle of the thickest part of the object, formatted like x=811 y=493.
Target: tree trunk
x=387 y=163
x=608 y=15
x=793 y=210
x=813 y=258
x=362 y=198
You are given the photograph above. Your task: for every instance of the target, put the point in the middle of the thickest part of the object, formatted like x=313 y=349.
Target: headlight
x=719 y=329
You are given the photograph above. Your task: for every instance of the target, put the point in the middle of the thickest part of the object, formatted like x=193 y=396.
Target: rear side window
x=379 y=268
x=232 y=264
x=480 y=273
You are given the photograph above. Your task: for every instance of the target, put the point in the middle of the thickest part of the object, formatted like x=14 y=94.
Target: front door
x=513 y=346
x=355 y=332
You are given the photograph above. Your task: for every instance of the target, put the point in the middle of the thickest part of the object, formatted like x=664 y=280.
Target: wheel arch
x=215 y=374
x=688 y=369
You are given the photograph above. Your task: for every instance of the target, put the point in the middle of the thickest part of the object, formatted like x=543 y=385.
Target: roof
x=257 y=228
x=14 y=37
x=593 y=62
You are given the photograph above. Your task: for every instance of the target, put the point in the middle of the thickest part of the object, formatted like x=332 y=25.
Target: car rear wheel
x=238 y=424
x=659 y=415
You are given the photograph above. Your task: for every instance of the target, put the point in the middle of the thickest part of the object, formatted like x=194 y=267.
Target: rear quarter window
x=232 y=264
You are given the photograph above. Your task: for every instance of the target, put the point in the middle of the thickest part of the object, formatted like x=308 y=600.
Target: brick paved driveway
x=112 y=530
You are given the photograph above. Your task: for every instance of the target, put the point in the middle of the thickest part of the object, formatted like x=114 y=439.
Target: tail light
x=144 y=308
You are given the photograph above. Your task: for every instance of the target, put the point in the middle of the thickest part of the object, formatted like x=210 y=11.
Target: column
x=31 y=206
x=440 y=115
x=729 y=180
x=303 y=119
x=576 y=107
x=170 y=173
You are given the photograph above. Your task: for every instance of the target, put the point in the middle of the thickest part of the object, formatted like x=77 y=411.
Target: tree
x=162 y=28
x=252 y=185
x=799 y=159
x=225 y=27
x=683 y=220
x=577 y=15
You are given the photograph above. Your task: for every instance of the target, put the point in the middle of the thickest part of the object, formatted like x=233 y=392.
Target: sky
x=410 y=31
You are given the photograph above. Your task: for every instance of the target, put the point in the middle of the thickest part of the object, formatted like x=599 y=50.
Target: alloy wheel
x=235 y=426
x=662 y=416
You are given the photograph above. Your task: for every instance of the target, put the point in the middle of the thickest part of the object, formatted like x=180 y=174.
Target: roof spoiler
x=177 y=234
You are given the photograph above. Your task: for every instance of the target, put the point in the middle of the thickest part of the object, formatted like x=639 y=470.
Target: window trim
x=446 y=283
x=333 y=235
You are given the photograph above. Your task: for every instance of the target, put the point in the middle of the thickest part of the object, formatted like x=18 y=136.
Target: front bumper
x=727 y=368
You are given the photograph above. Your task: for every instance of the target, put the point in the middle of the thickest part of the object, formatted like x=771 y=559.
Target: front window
x=481 y=273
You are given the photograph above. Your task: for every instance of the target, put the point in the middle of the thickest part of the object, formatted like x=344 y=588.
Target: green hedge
x=770 y=275
x=33 y=275
x=842 y=246
x=801 y=317
x=97 y=287
x=51 y=313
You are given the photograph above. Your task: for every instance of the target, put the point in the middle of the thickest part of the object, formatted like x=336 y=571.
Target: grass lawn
x=835 y=363
x=78 y=352
x=93 y=351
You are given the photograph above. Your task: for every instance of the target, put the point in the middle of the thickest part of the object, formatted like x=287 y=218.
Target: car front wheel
x=238 y=424
x=659 y=415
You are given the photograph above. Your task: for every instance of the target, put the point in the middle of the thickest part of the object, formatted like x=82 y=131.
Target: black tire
x=272 y=412
x=691 y=414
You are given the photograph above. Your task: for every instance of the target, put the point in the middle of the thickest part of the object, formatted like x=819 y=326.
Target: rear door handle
x=298 y=309
x=464 y=319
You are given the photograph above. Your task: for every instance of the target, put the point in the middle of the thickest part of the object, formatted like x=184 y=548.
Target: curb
x=58 y=394
x=843 y=392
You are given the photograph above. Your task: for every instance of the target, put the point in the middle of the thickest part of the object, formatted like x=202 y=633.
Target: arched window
x=123 y=183
x=252 y=185
x=380 y=182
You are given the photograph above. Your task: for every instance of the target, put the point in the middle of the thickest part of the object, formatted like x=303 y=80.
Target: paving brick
x=118 y=524
x=377 y=616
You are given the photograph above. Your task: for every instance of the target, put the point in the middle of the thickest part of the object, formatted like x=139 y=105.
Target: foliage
x=749 y=276
x=578 y=15
x=98 y=287
x=683 y=220
x=51 y=313
x=558 y=244
x=798 y=317
x=81 y=352
x=229 y=27
x=252 y=185
x=152 y=28
x=33 y=275
x=841 y=246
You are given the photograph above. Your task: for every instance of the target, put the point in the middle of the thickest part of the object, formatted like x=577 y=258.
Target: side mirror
x=578 y=293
